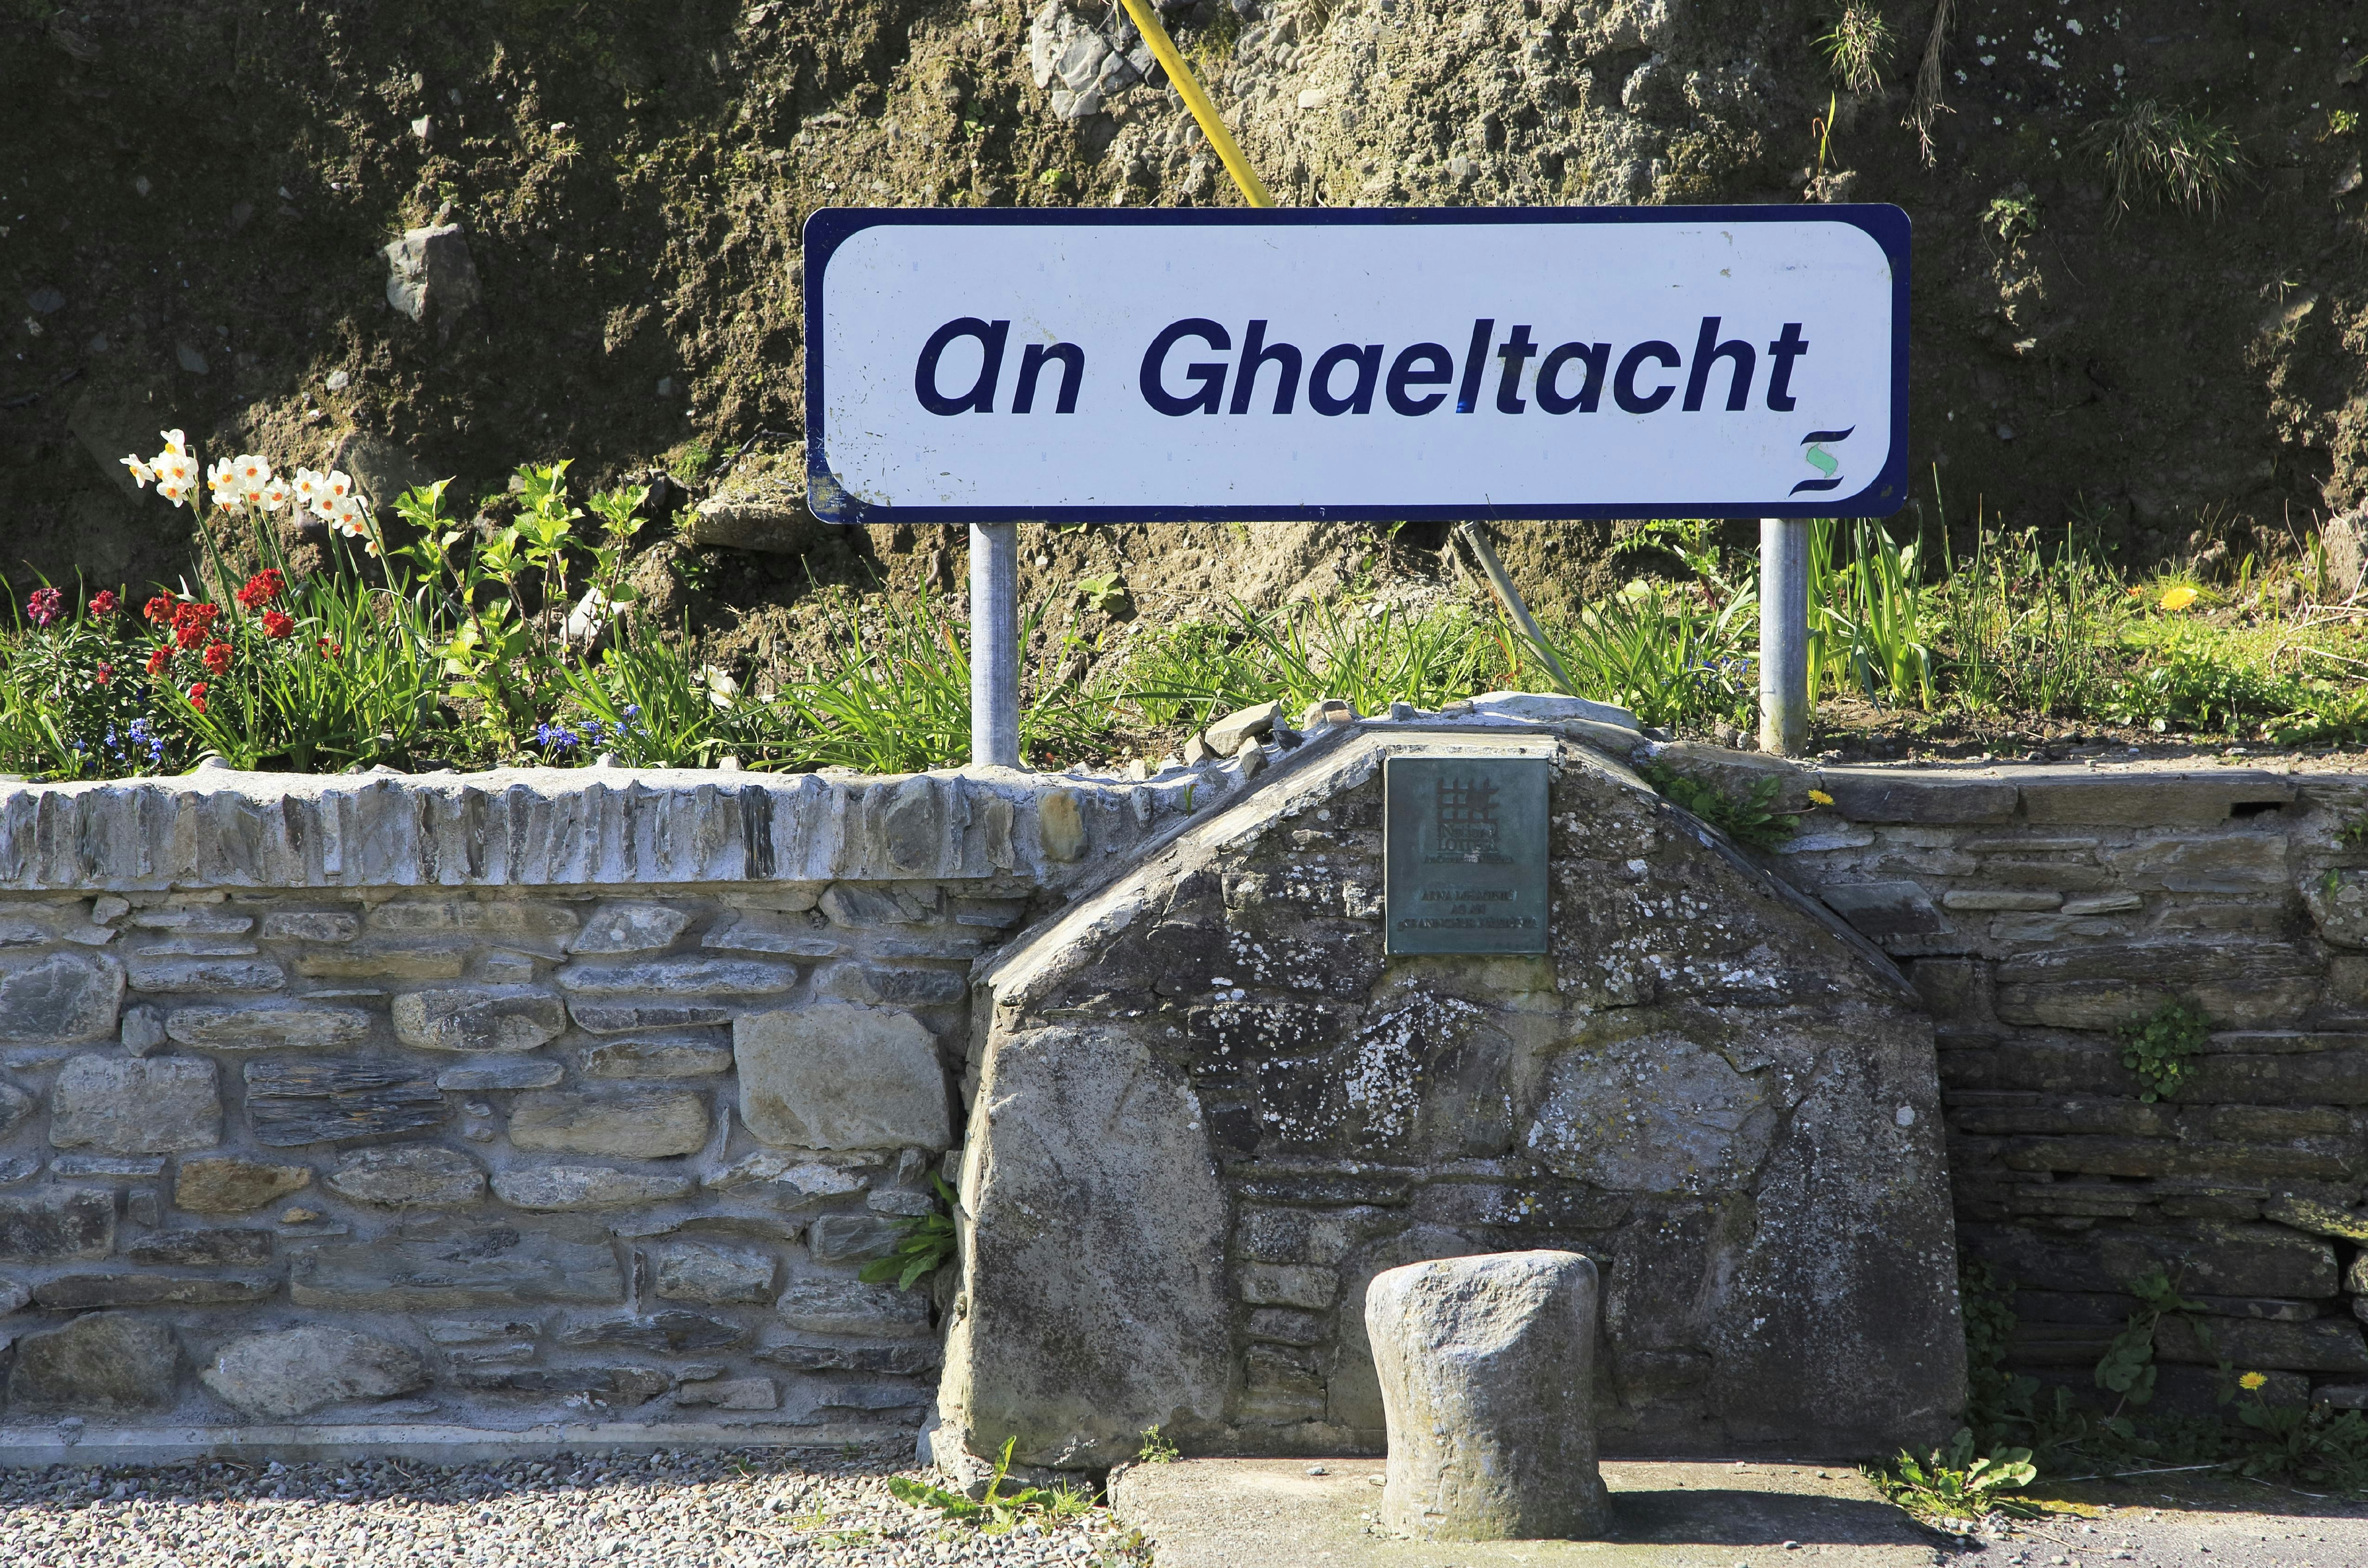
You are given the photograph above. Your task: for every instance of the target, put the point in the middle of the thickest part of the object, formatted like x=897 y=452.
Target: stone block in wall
x=1881 y=911
x=281 y=1375
x=409 y=1176
x=1287 y=1285
x=125 y=1104
x=479 y=1019
x=384 y=961
x=2326 y=1345
x=847 y=903
x=839 y=1076
x=101 y=1363
x=2324 y=1159
x=82 y=1292
x=502 y=1073
x=678 y=977
x=2240 y=985
x=851 y=1238
x=2338 y=901
x=310 y=926
x=646 y=1124
x=2317 y=1218
x=893 y=985
x=491 y=917
x=770 y=931
x=849 y=1306
x=666 y=1332
x=1653 y=1114
x=625 y=1017
x=2253 y=862
x=620 y=1385
x=730 y=1393
x=630 y=929
x=188 y=975
x=901 y=1359
x=712 y=1273
x=2029 y=1111
x=58 y=998
x=278 y=1028
x=293 y=1103
x=2323 y=1077
x=56 y=1224
x=202 y=1249
x=17 y=1108
x=655 y=1059
x=2220 y=1259
x=463 y=1266
x=227 y=1184
x=558 y=1189
x=2147 y=800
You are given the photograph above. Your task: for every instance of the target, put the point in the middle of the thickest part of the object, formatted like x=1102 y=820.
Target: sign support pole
x=995 y=644
x=1784 y=635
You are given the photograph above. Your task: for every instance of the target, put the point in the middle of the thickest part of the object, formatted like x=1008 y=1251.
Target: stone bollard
x=1487 y=1373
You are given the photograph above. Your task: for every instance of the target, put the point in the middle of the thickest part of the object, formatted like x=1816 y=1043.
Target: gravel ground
x=678 y=1510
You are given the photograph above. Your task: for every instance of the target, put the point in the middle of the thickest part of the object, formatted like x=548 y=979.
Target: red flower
x=45 y=605
x=217 y=658
x=158 y=660
x=105 y=604
x=198 y=696
x=189 y=636
x=276 y=624
x=262 y=588
x=332 y=650
x=104 y=673
x=159 y=609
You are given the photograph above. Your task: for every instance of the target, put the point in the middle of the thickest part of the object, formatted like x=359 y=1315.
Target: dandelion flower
x=2179 y=597
x=1819 y=798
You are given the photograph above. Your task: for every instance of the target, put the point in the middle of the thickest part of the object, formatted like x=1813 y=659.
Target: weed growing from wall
x=2161 y=1049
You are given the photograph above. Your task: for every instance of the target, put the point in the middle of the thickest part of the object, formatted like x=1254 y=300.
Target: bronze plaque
x=1464 y=854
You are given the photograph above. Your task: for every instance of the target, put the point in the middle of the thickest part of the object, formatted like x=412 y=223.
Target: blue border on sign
x=828 y=228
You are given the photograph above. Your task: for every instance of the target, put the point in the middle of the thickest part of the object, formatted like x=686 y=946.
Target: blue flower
x=593 y=729
x=555 y=737
x=633 y=712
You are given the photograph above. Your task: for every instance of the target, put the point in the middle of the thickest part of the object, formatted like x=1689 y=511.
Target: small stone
x=172 y=974
x=109 y=908
x=54 y=1224
x=1549 y=707
x=907 y=986
x=801 y=1180
x=1060 y=825
x=100 y=1363
x=655 y=1059
x=902 y=1201
x=264 y=1028
x=1225 y=736
x=407 y=1176
x=13 y=1296
x=81 y=1292
x=1251 y=759
x=144 y=1206
x=479 y=1019
x=849 y=1307
x=765 y=931
x=836 y=1075
x=902 y=1359
x=607 y=1018
x=630 y=929
x=462 y=1268
x=293 y=1103
x=384 y=961
x=672 y=1331
x=310 y=926
x=679 y=977
x=648 y=1124
x=493 y=917
x=143 y=1032
x=198 y=1249
x=17 y=1106
x=713 y=1274
x=298 y=1216
x=851 y=1238
x=429 y=268
x=479 y=1330
x=231 y=1185
x=1487 y=1366
x=624 y=1385
x=734 y=1393
x=1328 y=710
x=293 y=1372
x=140 y=1165
x=136 y=1106
x=557 y=1189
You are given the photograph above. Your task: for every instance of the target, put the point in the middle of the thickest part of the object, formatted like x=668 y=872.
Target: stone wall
x=388 y=1113
x=2037 y=909
x=1210 y=1110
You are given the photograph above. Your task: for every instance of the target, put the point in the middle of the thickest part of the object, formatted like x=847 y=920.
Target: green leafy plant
x=995 y=1512
x=690 y=461
x=1869 y=623
x=1856 y=45
x=925 y=1244
x=2154 y=153
x=1106 y=594
x=1961 y=1481
x=1750 y=819
x=2161 y=1048
x=1156 y=1448
x=2013 y=215
x=1676 y=657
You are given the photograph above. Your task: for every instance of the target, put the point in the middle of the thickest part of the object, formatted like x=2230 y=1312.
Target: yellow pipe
x=1163 y=49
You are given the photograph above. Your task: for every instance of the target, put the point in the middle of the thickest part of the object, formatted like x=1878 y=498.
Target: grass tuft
x=2154 y=153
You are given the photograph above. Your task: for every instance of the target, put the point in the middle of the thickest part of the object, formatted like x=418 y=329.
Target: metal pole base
x=1784 y=635
x=995 y=644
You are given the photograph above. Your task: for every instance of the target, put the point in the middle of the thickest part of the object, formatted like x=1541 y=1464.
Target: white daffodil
x=311 y=489
x=176 y=443
x=346 y=515
x=142 y=476
x=175 y=490
x=273 y=495
x=253 y=472
x=340 y=485
x=222 y=482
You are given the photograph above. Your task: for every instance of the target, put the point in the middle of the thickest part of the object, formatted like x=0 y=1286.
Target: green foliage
x=926 y=1243
x=1856 y=45
x=1369 y=655
x=1156 y=1448
x=1106 y=594
x=2013 y=214
x=690 y=461
x=2154 y=153
x=996 y=1512
x=2189 y=684
x=1750 y=820
x=1960 y=1480
x=2161 y=1049
x=1869 y=623
x=1677 y=657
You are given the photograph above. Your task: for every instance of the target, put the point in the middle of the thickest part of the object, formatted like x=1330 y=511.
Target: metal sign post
x=1784 y=635
x=995 y=644
x=989 y=366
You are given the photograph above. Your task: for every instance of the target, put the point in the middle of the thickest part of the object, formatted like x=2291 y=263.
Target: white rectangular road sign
x=1081 y=365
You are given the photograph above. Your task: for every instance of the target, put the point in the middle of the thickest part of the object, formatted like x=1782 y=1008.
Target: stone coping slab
x=30 y=1447
x=1227 y=1513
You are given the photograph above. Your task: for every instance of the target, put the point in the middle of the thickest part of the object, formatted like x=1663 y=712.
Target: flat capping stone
x=2047 y=796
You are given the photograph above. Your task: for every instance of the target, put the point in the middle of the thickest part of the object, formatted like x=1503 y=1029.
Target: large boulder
x=295 y=1372
x=101 y=1363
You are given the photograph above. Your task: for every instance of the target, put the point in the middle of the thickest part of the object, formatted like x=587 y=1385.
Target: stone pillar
x=1488 y=1374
